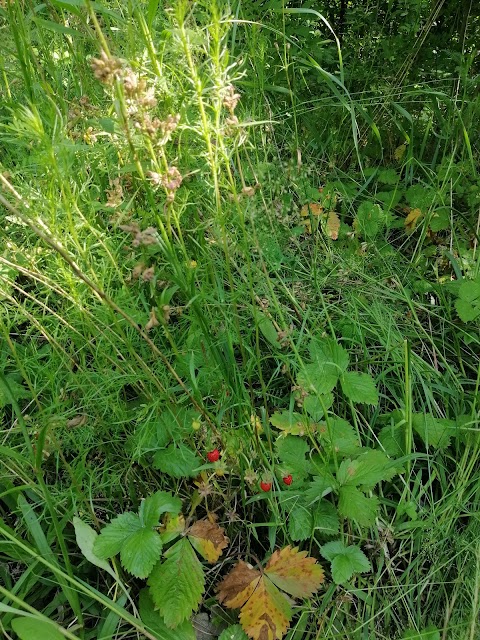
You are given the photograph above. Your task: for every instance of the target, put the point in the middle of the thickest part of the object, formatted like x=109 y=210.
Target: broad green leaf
x=112 y=537
x=152 y=619
x=34 y=629
x=468 y=301
x=339 y=437
x=316 y=405
x=325 y=518
x=369 y=219
x=429 y=633
x=86 y=536
x=156 y=504
x=140 y=552
x=177 y=461
x=318 y=378
x=56 y=27
x=435 y=432
x=300 y=523
x=268 y=330
x=421 y=196
x=177 y=583
x=439 y=220
x=388 y=176
x=10 y=386
x=291 y=451
x=359 y=387
x=392 y=439
x=328 y=351
x=370 y=468
x=320 y=486
x=354 y=505
x=345 y=561
x=233 y=633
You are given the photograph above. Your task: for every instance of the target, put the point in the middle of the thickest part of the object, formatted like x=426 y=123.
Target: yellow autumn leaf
x=208 y=538
x=265 y=612
x=412 y=218
x=332 y=226
x=312 y=208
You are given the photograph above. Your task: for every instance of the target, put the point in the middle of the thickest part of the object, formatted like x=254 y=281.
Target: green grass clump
x=222 y=230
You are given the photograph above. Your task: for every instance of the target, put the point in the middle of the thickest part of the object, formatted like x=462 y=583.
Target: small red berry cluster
x=214 y=456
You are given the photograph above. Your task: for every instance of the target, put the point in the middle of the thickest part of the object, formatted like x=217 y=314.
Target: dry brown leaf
x=208 y=538
x=333 y=225
x=265 y=611
x=153 y=322
x=412 y=219
x=77 y=421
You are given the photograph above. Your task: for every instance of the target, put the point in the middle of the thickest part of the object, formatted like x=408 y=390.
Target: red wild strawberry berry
x=288 y=479
x=265 y=486
x=213 y=456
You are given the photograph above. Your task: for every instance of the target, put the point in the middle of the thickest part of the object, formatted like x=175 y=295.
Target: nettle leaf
x=291 y=423
x=325 y=519
x=208 y=538
x=435 y=432
x=359 y=387
x=160 y=502
x=369 y=219
x=265 y=611
x=339 y=437
x=140 y=552
x=300 y=523
x=178 y=461
x=152 y=619
x=354 y=505
x=318 y=378
x=345 y=561
x=112 y=537
x=328 y=351
x=292 y=451
x=370 y=468
x=177 y=583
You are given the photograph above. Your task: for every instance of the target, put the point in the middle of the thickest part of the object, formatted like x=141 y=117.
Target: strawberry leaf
x=345 y=561
x=112 y=537
x=177 y=583
x=325 y=519
x=140 y=552
x=328 y=351
x=359 y=387
x=156 y=504
x=300 y=523
x=177 y=461
x=152 y=619
x=233 y=633
x=291 y=451
x=354 y=505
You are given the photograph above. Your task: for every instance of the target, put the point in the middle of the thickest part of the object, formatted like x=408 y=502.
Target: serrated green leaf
x=140 y=552
x=155 y=623
x=467 y=312
x=291 y=451
x=369 y=219
x=316 y=405
x=300 y=523
x=328 y=351
x=177 y=584
x=468 y=302
x=33 y=629
x=354 y=505
x=359 y=387
x=392 y=439
x=177 y=461
x=435 y=432
x=10 y=386
x=388 y=176
x=160 y=502
x=439 y=220
x=325 y=518
x=345 y=561
x=112 y=537
x=339 y=437
x=429 y=633
x=318 y=378
x=86 y=536
x=233 y=633
x=421 y=197
x=320 y=486
x=370 y=468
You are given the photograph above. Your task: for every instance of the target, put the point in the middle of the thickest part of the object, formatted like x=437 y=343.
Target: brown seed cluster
x=107 y=68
